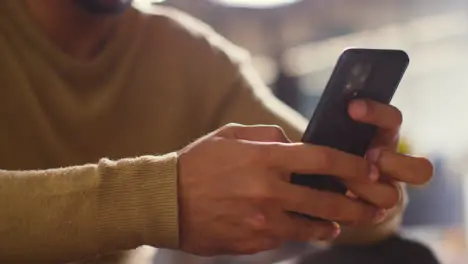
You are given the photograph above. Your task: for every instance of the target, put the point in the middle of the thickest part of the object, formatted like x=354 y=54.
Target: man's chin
x=104 y=7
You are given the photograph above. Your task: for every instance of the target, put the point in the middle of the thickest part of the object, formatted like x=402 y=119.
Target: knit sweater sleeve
x=65 y=214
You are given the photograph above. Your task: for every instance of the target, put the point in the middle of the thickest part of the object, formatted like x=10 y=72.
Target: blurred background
x=296 y=43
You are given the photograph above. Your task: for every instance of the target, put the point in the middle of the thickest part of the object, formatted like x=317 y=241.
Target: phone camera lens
x=356 y=70
x=349 y=87
x=359 y=74
x=362 y=78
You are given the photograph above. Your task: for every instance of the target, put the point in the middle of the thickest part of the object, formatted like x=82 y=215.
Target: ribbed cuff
x=138 y=202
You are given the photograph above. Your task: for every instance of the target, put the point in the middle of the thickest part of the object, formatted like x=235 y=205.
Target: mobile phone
x=359 y=74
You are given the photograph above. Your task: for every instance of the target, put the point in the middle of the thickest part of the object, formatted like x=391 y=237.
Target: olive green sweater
x=87 y=149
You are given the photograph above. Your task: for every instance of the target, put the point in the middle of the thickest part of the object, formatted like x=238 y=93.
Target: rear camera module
x=359 y=73
x=357 y=69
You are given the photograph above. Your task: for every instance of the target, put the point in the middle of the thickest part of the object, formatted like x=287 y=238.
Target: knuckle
x=259 y=226
x=230 y=126
x=261 y=193
x=276 y=133
x=228 y=130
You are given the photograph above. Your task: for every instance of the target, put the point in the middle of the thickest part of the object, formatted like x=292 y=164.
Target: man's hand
x=234 y=191
x=395 y=168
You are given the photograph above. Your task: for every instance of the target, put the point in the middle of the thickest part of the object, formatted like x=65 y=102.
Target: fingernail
x=351 y=195
x=380 y=215
x=374 y=173
x=358 y=109
x=258 y=219
x=336 y=231
x=373 y=155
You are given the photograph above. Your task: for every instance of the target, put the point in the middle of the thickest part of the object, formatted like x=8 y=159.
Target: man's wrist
x=138 y=202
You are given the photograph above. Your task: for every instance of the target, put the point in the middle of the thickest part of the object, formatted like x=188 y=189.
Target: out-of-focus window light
x=255 y=3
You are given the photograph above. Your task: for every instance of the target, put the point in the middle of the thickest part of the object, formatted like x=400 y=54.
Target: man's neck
x=76 y=32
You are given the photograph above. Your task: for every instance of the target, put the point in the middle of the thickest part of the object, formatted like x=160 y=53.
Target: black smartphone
x=359 y=74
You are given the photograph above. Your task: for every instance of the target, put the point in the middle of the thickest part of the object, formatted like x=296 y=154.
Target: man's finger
x=401 y=167
x=308 y=159
x=260 y=133
x=381 y=115
x=299 y=229
x=386 y=117
x=327 y=205
x=382 y=195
